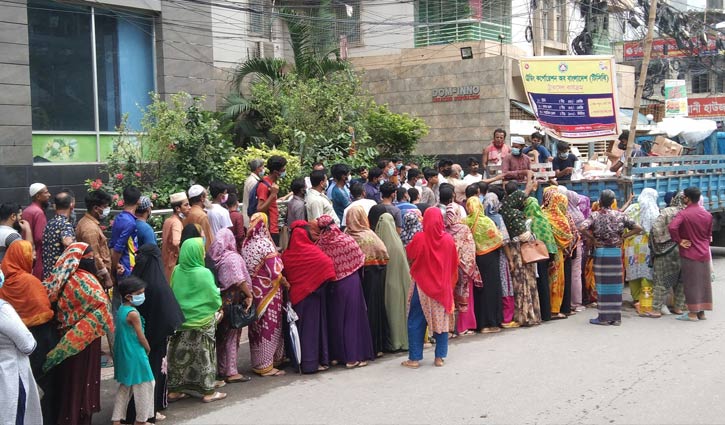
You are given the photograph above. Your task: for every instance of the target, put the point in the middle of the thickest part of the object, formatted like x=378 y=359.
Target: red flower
x=137 y=174
x=172 y=147
x=104 y=228
x=115 y=197
x=120 y=203
x=96 y=184
x=119 y=176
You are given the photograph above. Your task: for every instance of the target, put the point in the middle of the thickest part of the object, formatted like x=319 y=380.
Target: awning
x=626 y=113
x=524 y=107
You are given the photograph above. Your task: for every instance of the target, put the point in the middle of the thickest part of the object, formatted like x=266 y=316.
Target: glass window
x=61 y=78
x=124 y=58
x=260 y=19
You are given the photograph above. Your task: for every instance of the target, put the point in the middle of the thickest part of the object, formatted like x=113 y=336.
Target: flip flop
x=180 y=397
x=685 y=318
x=274 y=372
x=215 y=397
x=650 y=315
x=559 y=316
x=596 y=321
x=242 y=378
x=410 y=364
x=322 y=368
x=352 y=365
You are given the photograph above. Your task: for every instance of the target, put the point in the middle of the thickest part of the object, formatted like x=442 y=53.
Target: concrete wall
x=390 y=37
x=15 y=117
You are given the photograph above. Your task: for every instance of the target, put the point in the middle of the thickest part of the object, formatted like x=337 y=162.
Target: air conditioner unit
x=267 y=49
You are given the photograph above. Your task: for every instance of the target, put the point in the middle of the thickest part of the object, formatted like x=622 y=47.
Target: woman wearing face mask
x=83 y=312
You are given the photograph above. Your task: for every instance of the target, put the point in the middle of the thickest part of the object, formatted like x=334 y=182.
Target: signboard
x=706 y=107
x=675 y=98
x=573 y=97
x=456 y=94
x=634 y=50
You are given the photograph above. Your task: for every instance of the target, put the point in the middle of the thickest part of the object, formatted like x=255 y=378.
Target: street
x=648 y=371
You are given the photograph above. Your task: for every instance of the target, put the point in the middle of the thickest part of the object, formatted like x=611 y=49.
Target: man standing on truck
x=494 y=153
x=691 y=229
x=619 y=160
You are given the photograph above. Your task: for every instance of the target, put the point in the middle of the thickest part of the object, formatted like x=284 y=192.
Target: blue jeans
x=416 y=332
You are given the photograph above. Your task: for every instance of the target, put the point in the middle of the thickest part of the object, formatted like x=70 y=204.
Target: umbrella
x=294 y=335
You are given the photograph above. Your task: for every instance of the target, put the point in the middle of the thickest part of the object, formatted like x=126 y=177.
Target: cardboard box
x=663 y=146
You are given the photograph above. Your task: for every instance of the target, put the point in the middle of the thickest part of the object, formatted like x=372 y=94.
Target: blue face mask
x=261 y=174
x=564 y=155
x=399 y=166
x=282 y=174
x=2 y=279
x=391 y=171
x=480 y=198
x=138 y=299
x=515 y=151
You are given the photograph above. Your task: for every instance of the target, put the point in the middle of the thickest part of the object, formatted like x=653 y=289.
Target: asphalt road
x=648 y=371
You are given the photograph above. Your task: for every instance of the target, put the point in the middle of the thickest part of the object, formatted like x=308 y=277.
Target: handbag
x=534 y=251
x=239 y=316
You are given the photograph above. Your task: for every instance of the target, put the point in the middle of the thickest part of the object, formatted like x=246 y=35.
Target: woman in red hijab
x=434 y=269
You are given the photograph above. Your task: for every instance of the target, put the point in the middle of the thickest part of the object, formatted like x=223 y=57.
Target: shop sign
x=706 y=107
x=456 y=94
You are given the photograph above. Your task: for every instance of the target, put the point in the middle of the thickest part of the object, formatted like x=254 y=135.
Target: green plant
x=238 y=165
x=394 y=134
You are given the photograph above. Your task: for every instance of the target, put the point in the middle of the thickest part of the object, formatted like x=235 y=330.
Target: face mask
x=224 y=199
x=283 y=174
x=105 y=212
x=515 y=151
x=391 y=172
x=204 y=240
x=137 y=300
x=2 y=279
x=563 y=155
x=261 y=173
x=207 y=204
x=480 y=198
x=182 y=216
x=399 y=166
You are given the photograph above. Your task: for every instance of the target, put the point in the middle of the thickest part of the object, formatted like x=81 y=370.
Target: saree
x=266 y=342
x=666 y=257
x=555 y=210
x=491 y=205
x=468 y=274
x=373 y=274
x=397 y=281
x=231 y=275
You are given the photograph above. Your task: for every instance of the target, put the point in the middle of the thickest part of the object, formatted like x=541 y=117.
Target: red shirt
x=516 y=167
x=272 y=212
x=35 y=216
x=693 y=223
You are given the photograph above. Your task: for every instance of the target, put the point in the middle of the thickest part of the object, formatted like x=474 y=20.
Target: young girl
x=130 y=353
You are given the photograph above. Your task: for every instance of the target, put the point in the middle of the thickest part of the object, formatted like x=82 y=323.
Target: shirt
x=89 y=231
x=296 y=210
x=367 y=204
x=471 y=178
x=35 y=216
x=515 y=167
x=395 y=212
x=427 y=196
x=170 y=241
x=693 y=223
x=58 y=228
x=219 y=218
x=405 y=206
x=144 y=233
x=197 y=215
x=249 y=184
x=123 y=236
x=608 y=226
x=263 y=193
x=372 y=192
x=8 y=235
x=318 y=205
x=496 y=155
x=340 y=200
x=560 y=164
x=544 y=153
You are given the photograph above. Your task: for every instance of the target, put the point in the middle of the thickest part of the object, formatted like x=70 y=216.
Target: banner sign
x=706 y=107
x=675 y=98
x=573 y=97
x=634 y=50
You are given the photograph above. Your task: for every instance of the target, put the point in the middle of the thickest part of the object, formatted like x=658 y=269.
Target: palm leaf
x=236 y=106
x=270 y=70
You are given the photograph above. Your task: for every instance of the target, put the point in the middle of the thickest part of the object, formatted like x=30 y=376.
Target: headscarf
x=193 y=286
x=397 y=271
x=230 y=266
x=306 y=267
x=492 y=205
x=465 y=245
x=573 y=207
x=555 y=207
x=412 y=224
x=191 y=230
x=484 y=230
x=662 y=241
x=346 y=255
x=23 y=290
x=668 y=197
x=264 y=262
x=540 y=226
x=374 y=214
x=585 y=206
x=649 y=210
x=83 y=308
x=160 y=310
x=512 y=213
x=434 y=259
x=370 y=243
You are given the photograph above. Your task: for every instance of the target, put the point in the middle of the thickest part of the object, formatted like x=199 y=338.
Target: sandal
x=352 y=365
x=491 y=330
x=214 y=397
x=322 y=368
x=274 y=372
x=438 y=362
x=596 y=321
x=650 y=314
x=701 y=316
x=558 y=316
x=410 y=364
x=181 y=396
x=238 y=378
x=685 y=317
x=159 y=416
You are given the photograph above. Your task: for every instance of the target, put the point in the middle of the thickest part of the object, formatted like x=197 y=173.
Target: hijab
x=491 y=206
x=540 y=226
x=412 y=224
x=160 y=310
x=357 y=226
x=649 y=210
x=83 y=309
x=484 y=230
x=230 y=266
x=346 y=255
x=397 y=271
x=306 y=267
x=258 y=246
x=585 y=206
x=555 y=210
x=374 y=215
x=465 y=245
x=512 y=213
x=434 y=259
x=193 y=286
x=22 y=290
x=573 y=207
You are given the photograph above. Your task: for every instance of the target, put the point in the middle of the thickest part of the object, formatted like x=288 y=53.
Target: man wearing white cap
x=171 y=232
x=197 y=215
x=517 y=165
x=34 y=214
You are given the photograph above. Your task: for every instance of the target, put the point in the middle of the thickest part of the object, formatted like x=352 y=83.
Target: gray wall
x=15 y=117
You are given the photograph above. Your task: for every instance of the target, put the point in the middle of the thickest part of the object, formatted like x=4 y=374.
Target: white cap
x=517 y=140
x=35 y=188
x=178 y=197
x=196 y=190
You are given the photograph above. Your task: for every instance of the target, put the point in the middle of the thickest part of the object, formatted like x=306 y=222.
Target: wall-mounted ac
x=265 y=49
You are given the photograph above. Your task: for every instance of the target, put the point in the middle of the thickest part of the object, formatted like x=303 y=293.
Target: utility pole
x=640 y=84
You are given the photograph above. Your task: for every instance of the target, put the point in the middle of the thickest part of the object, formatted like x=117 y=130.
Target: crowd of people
x=391 y=261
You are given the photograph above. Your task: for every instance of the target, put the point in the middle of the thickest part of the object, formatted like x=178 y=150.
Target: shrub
x=237 y=166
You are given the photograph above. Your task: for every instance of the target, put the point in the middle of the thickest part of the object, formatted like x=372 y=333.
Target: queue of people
x=367 y=268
